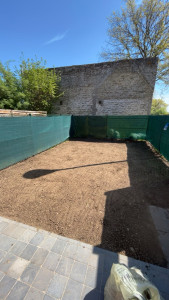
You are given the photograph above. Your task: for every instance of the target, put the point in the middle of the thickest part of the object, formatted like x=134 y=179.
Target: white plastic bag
x=129 y=284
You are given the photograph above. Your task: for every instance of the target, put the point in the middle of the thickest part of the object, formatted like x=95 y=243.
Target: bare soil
x=93 y=191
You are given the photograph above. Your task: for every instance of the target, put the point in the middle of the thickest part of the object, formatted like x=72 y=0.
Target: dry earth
x=96 y=192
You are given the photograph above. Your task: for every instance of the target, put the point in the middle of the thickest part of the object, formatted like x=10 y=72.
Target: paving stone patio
x=36 y=264
x=160 y=218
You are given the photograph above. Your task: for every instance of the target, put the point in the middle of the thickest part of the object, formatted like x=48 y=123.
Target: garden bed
x=93 y=191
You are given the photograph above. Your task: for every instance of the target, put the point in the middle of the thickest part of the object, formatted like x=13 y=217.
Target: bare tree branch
x=140 y=31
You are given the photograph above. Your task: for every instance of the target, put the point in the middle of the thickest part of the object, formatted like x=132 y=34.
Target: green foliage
x=31 y=87
x=140 y=31
x=159 y=107
x=11 y=95
x=163 y=73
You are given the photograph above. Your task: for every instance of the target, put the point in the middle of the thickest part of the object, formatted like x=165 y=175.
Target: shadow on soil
x=127 y=212
x=42 y=172
x=128 y=226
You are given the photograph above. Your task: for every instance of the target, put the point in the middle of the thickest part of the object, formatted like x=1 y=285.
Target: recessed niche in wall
x=61 y=102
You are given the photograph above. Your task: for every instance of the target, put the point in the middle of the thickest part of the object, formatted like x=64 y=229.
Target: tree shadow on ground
x=128 y=227
x=33 y=174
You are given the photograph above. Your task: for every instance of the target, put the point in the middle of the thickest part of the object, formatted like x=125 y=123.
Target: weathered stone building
x=123 y=87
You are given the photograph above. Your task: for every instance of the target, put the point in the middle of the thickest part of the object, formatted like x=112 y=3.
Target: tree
x=159 y=107
x=163 y=70
x=140 y=31
x=31 y=86
x=11 y=95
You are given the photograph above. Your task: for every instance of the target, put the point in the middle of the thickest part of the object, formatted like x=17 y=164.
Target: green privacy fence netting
x=22 y=137
x=158 y=133
x=149 y=128
x=124 y=127
x=118 y=127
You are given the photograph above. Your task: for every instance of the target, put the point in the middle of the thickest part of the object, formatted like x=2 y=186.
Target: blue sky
x=65 y=32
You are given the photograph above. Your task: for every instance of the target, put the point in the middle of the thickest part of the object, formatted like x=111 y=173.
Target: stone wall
x=123 y=87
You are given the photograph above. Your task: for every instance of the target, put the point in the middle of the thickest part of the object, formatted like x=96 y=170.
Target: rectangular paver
x=18 y=231
x=73 y=290
x=6 y=242
x=70 y=250
x=34 y=294
x=83 y=254
x=51 y=261
x=18 y=248
x=18 y=292
x=48 y=243
x=6 y=285
x=37 y=239
x=3 y=225
x=65 y=266
x=59 y=246
x=39 y=256
x=78 y=272
x=160 y=217
x=42 y=279
x=17 y=268
x=9 y=229
x=29 y=273
x=93 y=278
x=7 y=262
x=96 y=260
x=57 y=286
x=28 y=252
x=14 y=230
x=27 y=236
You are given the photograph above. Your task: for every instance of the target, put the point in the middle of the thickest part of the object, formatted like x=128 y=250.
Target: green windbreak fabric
x=164 y=145
x=97 y=127
x=124 y=127
x=22 y=137
x=119 y=127
x=79 y=127
x=89 y=126
x=158 y=133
